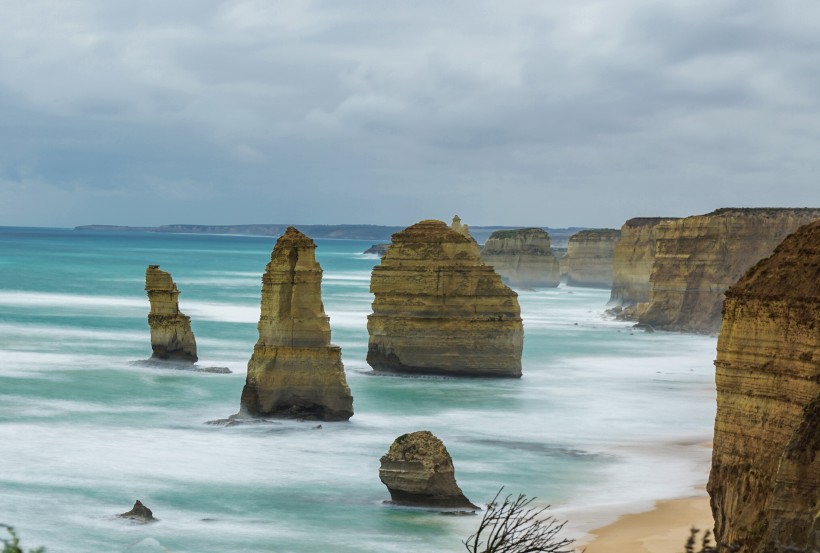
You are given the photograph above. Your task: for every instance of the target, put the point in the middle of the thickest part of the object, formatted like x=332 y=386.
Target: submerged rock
x=765 y=478
x=418 y=470
x=139 y=513
x=588 y=261
x=295 y=372
x=438 y=309
x=171 y=334
x=523 y=258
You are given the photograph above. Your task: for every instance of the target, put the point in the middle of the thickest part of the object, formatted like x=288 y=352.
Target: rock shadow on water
x=168 y=364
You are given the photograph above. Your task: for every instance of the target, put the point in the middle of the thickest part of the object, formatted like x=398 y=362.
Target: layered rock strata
x=523 y=258
x=765 y=478
x=438 y=309
x=171 y=334
x=632 y=261
x=418 y=470
x=699 y=257
x=588 y=261
x=295 y=372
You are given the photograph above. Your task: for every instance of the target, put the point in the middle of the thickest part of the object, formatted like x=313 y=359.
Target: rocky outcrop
x=418 y=470
x=139 y=513
x=439 y=309
x=699 y=257
x=632 y=261
x=295 y=372
x=523 y=258
x=171 y=334
x=377 y=249
x=588 y=261
x=765 y=478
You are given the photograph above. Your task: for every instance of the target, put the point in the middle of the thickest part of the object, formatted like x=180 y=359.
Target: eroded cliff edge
x=295 y=372
x=523 y=258
x=632 y=261
x=765 y=478
x=439 y=309
x=171 y=335
x=588 y=261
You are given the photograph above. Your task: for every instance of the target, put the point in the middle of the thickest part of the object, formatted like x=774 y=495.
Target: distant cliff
x=588 y=261
x=632 y=261
x=523 y=258
x=765 y=478
x=699 y=257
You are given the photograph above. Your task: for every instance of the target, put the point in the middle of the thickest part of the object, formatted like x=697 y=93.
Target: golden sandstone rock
x=699 y=257
x=171 y=335
x=295 y=372
x=439 y=309
x=765 y=478
x=523 y=258
x=632 y=262
x=588 y=261
x=418 y=470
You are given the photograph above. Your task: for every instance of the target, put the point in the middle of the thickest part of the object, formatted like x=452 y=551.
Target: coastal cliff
x=632 y=261
x=588 y=261
x=699 y=257
x=171 y=335
x=765 y=478
x=439 y=309
x=295 y=372
x=523 y=258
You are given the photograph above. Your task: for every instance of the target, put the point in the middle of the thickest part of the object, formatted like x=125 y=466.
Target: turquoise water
x=604 y=420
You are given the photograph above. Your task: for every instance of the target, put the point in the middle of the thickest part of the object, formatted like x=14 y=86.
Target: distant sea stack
x=438 y=309
x=295 y=372
x=523 y=258
x=632 y=261
x=418 y=470
x=699 y=257
x=765 y=478
x=588 y=261
x=171 y=335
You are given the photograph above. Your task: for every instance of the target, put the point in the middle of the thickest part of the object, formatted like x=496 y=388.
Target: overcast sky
x=549 y=113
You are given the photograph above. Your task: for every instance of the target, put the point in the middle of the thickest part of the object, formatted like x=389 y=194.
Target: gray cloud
x=582 y=113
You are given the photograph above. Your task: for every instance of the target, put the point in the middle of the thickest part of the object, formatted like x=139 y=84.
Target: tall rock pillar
x=171 y=334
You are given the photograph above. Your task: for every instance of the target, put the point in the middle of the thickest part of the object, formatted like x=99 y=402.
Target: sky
x=531 y=113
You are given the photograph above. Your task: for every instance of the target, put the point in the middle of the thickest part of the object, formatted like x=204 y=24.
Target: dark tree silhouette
x=513 y=526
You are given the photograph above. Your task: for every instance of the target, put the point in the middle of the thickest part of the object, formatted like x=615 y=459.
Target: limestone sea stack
x=765 y=478
x=632 y=261
x=171 y=335
x=523 y=258
x=418 y=470
x=588 y=261
x=295 y=372
x=438 y=309
x=697 y=258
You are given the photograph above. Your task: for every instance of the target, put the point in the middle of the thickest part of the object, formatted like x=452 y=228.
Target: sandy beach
x=664 y=529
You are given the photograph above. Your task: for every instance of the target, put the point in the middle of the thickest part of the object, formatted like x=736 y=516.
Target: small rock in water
x=139 y=513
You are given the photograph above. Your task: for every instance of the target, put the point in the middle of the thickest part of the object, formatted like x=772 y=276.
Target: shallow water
x=604 y=420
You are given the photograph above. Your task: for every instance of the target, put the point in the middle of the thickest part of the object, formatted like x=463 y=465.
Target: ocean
x=604 y=421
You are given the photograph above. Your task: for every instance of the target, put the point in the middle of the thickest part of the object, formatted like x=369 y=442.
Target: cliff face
x=699 y=257
x=418 y=470
x=632 y=261
x=765 y=478
x=171 y=335
x=439 y=309
x=588 y=261
x=295 y=372
x=523 y=258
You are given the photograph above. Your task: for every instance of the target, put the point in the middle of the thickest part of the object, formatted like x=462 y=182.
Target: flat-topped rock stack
x=765 y=478
x=171 y=336
x=295 y=372
x=439 y=309
x=588 y=261
x=697 y=258
x=523 y=258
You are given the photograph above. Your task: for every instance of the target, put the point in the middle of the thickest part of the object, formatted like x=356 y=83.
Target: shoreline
x=662 y=529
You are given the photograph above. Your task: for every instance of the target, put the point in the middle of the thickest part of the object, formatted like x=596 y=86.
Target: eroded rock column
x=171 y=334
